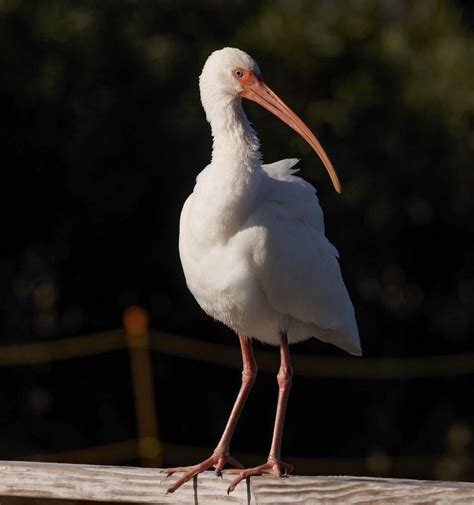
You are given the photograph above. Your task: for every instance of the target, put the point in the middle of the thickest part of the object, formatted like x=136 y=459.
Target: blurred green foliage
x=103 y=135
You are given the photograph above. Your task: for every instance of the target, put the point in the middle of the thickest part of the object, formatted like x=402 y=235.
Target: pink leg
x=284 y=379
x=274 y=465
x=221 y=454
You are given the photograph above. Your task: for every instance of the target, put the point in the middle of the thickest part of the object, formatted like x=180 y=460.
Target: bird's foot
x=217 y=460
x=272 y=467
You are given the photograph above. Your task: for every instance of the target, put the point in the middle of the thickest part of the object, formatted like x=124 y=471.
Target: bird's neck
x=235 y=141
x=228 y=187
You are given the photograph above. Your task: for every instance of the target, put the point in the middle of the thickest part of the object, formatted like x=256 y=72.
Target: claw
x=216 y=460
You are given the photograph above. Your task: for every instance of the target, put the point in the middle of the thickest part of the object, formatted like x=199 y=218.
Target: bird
x=253 y=249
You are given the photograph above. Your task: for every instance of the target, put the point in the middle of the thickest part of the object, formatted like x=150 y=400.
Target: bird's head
x=225 y=73
x=230 y=74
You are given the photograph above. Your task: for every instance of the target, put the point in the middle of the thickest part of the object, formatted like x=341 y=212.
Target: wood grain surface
x=23 y=483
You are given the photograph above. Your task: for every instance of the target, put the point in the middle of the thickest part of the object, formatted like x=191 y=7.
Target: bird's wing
x=292 y=196
x=297 y=267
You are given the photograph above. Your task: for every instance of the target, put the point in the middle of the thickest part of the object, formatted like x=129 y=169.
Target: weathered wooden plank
x=360 y=490
x=25 y=500
x=24 y=483
x=111 y=484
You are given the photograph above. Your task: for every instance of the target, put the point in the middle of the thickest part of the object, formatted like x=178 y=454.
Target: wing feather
x=295 y=197
x=296 y=266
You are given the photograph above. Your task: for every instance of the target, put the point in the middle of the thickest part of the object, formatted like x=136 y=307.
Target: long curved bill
x=257 y=91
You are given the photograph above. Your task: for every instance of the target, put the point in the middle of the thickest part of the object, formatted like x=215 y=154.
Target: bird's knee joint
x=249 y=375
x=285 y=372
x=284 y=383
x=284 y=377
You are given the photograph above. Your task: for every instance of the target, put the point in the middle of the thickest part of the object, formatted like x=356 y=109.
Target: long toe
x=216 y=460
x=226 y=460
x=170 y=471
x=240 y=477
x=187 y=476
x=234 y=462
x=189 y=472
x=275 y=468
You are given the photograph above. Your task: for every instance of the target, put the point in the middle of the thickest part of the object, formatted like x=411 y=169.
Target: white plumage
x=252 y=239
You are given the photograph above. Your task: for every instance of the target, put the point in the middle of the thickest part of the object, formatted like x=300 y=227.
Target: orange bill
x=257 y=91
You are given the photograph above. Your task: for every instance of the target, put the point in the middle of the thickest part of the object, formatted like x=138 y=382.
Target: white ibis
x=253 y=247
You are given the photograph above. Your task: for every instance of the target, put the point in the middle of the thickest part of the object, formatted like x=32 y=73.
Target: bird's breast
x=220 y=275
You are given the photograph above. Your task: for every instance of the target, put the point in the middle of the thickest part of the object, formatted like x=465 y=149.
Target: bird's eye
x=238 y=73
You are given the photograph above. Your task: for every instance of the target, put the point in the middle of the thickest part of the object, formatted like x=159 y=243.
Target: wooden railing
x=24 y=483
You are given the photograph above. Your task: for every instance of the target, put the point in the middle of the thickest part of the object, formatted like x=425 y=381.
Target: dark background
x=102 y=137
